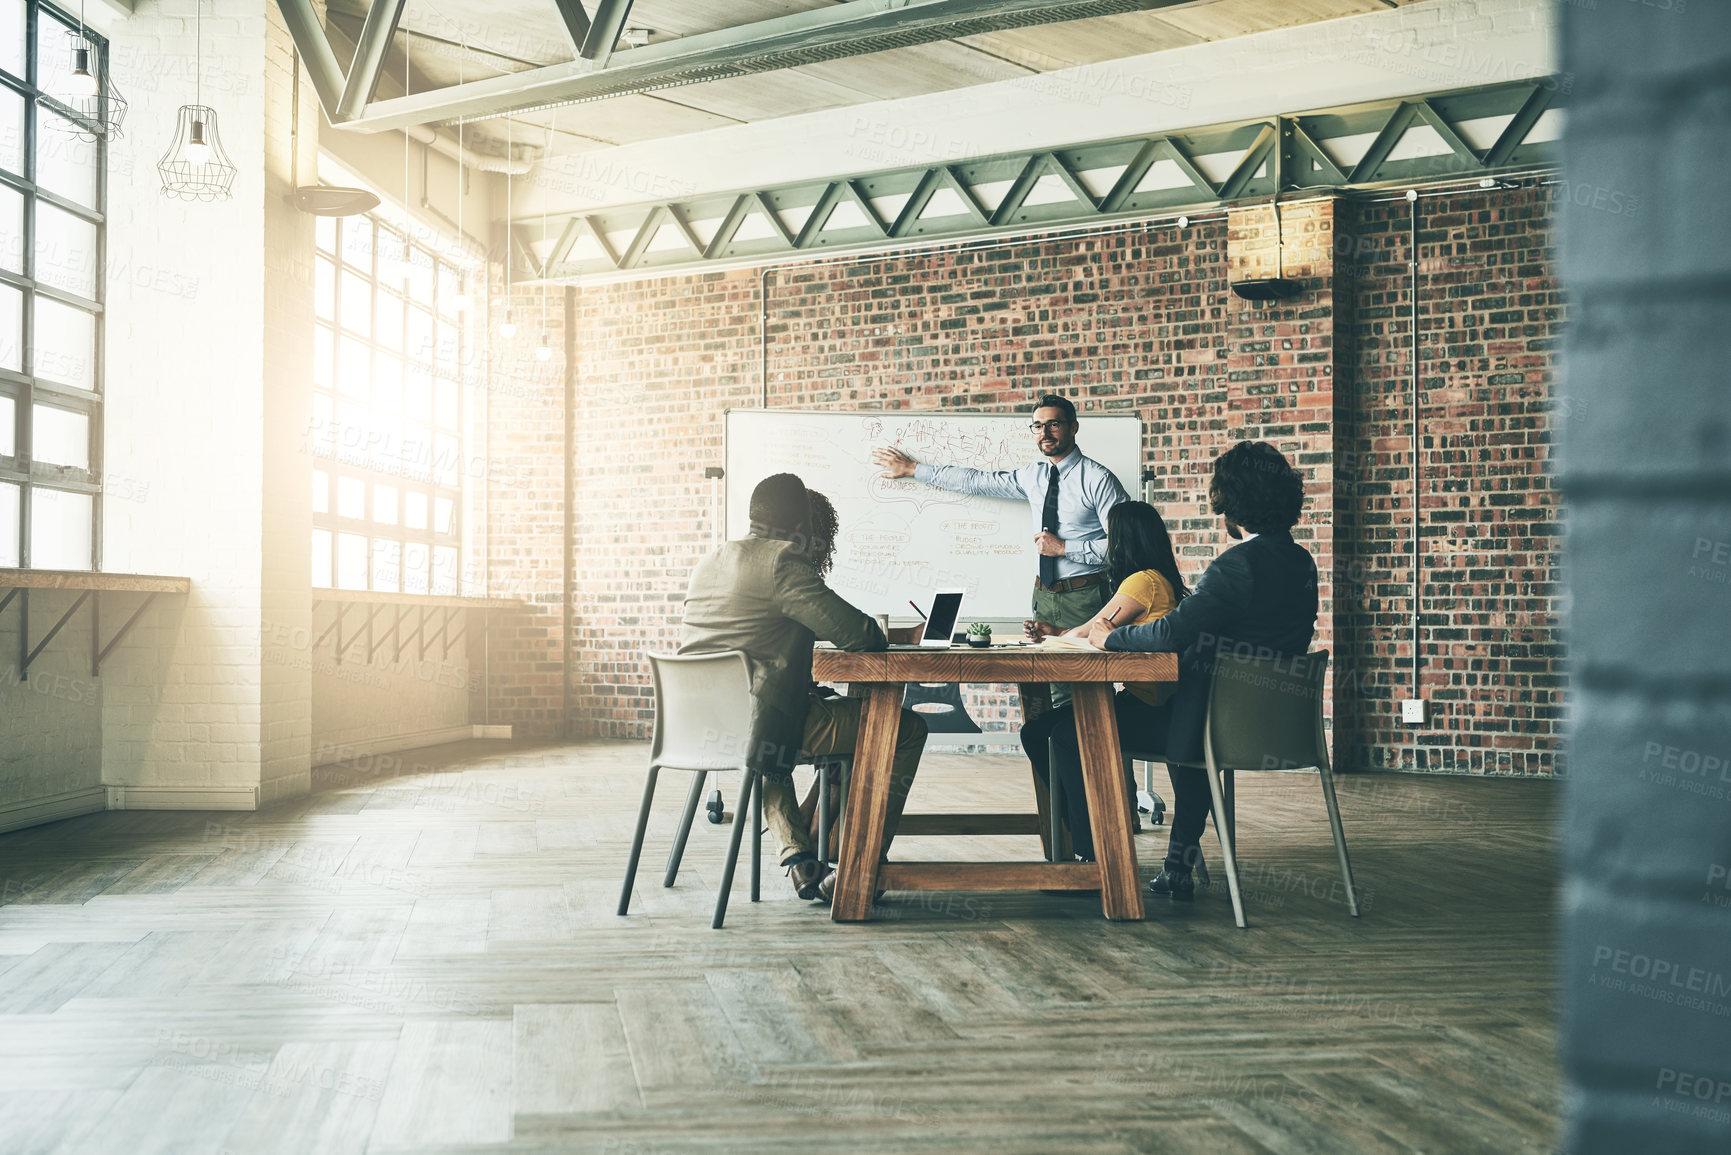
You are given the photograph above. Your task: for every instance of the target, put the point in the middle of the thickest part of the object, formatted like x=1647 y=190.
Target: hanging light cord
x=464 y=53
x=546 y=261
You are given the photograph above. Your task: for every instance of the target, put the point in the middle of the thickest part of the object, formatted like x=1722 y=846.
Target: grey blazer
x=762 y=596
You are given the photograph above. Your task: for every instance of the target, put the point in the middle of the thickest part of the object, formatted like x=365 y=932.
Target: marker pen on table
x=917 y=610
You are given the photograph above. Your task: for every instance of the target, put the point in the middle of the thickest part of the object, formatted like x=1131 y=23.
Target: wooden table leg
x=868 y=802
x=1036 y=700
x=1103 y=776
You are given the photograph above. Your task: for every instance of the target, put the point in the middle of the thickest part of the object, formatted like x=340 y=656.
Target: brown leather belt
x=1065 y=585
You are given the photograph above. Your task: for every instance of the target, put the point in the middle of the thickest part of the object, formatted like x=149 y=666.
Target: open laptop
x=941 y=619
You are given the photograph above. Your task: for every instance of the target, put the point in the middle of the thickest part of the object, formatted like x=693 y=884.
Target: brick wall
x=525 y=436
x=1490 y=320
x=1138 y=321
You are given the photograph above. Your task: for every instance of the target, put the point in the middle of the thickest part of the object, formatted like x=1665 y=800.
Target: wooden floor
x=425 y=957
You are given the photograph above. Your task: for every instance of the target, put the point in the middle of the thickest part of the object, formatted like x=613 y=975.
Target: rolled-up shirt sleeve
x=1102 y=490
x=1005 y=483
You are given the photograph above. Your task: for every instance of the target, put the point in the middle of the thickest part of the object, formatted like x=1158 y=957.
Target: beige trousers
x=832 y=727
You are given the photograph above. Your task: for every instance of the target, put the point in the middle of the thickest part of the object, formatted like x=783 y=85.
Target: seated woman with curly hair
x=1259 y=594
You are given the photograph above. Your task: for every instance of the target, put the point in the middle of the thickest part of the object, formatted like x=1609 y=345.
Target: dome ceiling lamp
x=196 y=167
x=85 y=103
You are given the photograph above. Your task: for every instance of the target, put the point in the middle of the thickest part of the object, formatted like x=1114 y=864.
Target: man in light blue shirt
x=1069 y=518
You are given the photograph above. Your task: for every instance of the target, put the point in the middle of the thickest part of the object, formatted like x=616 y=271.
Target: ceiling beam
x=1138 y=191
x=315 y=49
x=604 y=31
x=843 y=30
x=369 y=61
x=576 y=22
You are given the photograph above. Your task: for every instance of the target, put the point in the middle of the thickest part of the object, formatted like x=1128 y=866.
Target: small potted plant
x=980 y=634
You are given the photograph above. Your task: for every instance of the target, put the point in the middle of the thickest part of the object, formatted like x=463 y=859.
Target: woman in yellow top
x=1141 y=565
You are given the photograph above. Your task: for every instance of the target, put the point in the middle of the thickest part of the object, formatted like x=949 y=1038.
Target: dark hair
x=1136 y=539
x=779 y=507
x=1255 y=487
x=821 y=546
x=1053 y=401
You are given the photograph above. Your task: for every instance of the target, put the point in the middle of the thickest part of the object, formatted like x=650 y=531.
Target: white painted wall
x=1414 y=49
x=397 y=701
x=215 y=699
x=50 y=722
x=186 y=415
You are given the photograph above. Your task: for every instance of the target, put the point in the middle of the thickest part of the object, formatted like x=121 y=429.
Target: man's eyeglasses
x=1047 y=426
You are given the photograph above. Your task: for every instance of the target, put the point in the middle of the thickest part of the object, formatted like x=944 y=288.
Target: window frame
x=331 y=450
x=25 y=386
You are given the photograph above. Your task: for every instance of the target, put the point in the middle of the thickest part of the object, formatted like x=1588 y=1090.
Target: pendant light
x=86 y=103
x=195 y=167
x=544 y=351
x=1278 y=287
x=508 y=328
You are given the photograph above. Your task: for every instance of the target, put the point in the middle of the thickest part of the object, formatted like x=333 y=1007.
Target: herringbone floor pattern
x=423 y=955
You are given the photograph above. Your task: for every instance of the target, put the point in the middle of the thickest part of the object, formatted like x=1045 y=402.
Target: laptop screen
x=941 y=622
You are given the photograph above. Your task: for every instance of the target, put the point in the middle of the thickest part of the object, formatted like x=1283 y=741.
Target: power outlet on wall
x=1412 y=711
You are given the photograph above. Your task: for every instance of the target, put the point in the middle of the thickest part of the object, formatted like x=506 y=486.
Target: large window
x=387 y=475
x=51 y=237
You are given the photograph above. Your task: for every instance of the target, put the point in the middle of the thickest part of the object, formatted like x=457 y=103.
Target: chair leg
x=822 y=812
x=691 y=800
x=1054 y=798
x=756 y=838
x=1223 y=829
x=1339 y=838
x=637 y=839
x=1226 y=788
x=744 y=808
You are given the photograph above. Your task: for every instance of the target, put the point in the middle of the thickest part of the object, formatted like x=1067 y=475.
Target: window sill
x=73 y=579
x=383 y=598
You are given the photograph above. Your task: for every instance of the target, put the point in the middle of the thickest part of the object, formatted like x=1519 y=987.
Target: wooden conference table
x=879 y=678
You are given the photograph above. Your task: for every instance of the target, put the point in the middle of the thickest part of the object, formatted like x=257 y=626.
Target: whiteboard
x=899 y=538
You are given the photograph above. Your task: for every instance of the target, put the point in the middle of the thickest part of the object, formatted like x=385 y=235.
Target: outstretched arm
x=959 y=478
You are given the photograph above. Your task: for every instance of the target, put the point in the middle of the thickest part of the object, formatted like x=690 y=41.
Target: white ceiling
x=444 y=42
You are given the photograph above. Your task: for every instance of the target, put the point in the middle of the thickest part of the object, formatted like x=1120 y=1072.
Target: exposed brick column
x=1286 y=384
x=1645 y=964
x=525 y=426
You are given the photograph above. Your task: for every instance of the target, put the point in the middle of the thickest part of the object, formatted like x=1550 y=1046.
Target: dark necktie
x=1049 y=522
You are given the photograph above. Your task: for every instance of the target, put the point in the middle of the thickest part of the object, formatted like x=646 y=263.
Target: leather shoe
x=1176 y=885
x=807 y=875
x=826 y=889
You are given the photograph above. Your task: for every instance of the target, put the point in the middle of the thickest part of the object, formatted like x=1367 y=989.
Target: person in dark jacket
x=1257 y=597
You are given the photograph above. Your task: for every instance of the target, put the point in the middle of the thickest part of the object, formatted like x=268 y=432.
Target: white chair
x=703 y=714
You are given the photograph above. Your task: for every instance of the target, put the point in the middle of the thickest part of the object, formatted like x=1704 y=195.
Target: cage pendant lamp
x=85 y=101
x=196 y=167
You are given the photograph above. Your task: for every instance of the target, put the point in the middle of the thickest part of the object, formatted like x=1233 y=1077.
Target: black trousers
x=1140 y=726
